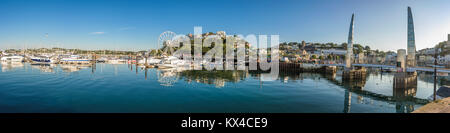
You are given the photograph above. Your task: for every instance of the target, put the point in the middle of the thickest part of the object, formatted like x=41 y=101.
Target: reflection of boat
x=44 y=67
x=6 y=66
x=12 y=58
x=72 y=68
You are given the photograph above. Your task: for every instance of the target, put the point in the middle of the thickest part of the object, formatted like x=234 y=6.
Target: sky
x=137 y=24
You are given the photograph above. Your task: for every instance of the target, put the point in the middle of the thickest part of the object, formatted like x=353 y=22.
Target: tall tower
x=304 y=44
x=411 y=57
x=348 y=57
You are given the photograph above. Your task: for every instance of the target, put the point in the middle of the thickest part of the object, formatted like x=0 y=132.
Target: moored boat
x=74 y=59
x=13 y=58
x=43 y=60
x=171 y=62
x=150 y=61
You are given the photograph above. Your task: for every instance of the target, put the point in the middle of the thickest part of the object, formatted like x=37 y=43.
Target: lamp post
x=435 y=74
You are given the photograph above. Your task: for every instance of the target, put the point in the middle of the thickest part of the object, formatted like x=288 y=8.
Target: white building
x=429 y=51
x=360 y=58
x=391 y=57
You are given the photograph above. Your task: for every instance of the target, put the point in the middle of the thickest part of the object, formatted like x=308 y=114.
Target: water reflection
x=404 y=98
x=403 y=92
x=9 y=66
x=168 y=76
x=429 y=78
x=47 y=68
x=217 y=77
x=291 y=92
x=352 y=86
x=69 y=68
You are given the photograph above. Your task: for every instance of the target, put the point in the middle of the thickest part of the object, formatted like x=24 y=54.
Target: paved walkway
x=440 y=106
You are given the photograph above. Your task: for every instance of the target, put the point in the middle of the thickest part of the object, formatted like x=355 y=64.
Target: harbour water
x=123 y=88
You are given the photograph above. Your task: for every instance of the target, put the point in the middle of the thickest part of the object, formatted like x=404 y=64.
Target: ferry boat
x=13 y=58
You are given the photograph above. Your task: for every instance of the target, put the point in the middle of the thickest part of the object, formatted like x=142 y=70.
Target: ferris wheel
x=166 y=41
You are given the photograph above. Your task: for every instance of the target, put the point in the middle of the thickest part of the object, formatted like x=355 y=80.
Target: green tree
x=367 y=48
x=343 y=45
x=330 y=56
x=357 y=48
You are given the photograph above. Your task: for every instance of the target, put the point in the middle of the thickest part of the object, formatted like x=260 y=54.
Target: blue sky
x=136 y=25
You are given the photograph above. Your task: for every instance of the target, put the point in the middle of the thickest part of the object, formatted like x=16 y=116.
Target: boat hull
x=12 y=59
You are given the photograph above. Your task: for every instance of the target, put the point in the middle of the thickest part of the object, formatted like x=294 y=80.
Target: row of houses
x=310 y=52
x=427 y=56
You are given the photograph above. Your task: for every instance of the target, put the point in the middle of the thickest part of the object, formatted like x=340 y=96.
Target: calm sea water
x=109 y=88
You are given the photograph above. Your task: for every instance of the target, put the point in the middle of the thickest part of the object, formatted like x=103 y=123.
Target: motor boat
x=43 y=60
x=102 y=60
x=150 y=61
x=74 y=59
x=171 y=62
x=117 y=61
x=13 y=58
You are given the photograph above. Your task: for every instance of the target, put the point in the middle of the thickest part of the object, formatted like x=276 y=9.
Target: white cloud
x=97 y=33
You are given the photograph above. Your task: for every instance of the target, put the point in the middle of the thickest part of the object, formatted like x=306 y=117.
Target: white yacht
x=74 y=59
x=171 y=62
x=150 y=61
x=43 y=60
x=13 y=58
x=117 y=61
